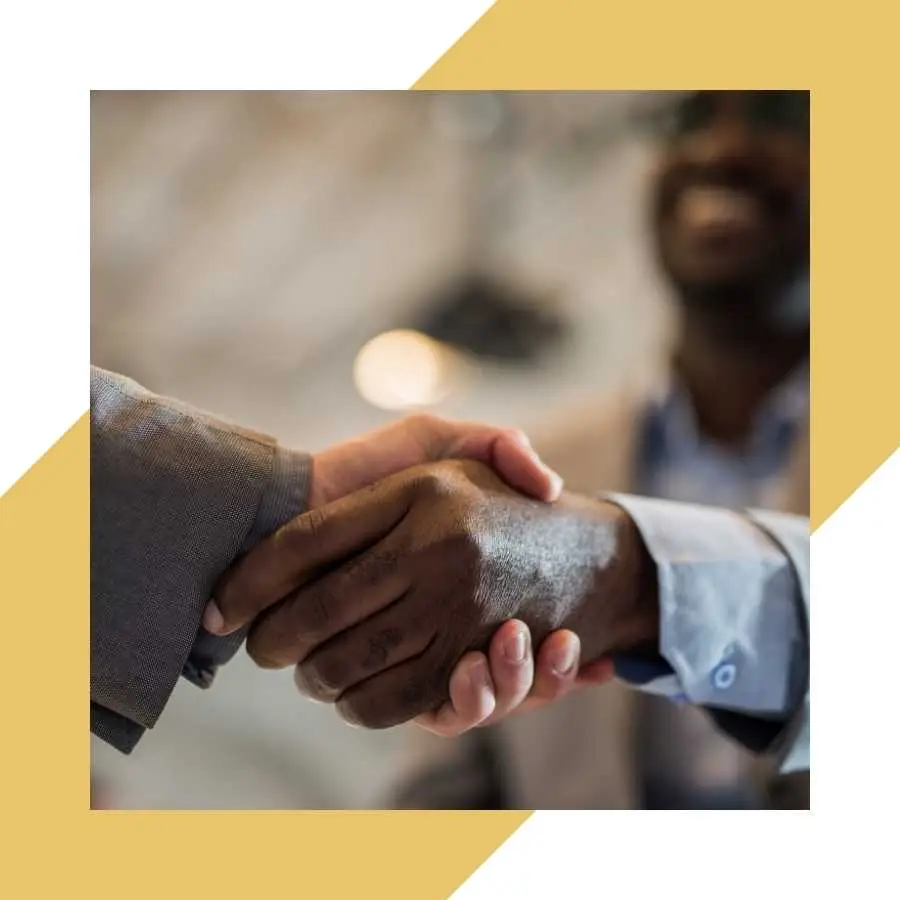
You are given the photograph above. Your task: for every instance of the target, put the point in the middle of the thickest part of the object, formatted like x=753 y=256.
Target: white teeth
x=704 y=206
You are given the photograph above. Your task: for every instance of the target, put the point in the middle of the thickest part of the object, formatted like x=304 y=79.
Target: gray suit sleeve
x=176 y=496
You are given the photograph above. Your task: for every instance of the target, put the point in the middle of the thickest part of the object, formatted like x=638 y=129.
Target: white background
x=56 y=53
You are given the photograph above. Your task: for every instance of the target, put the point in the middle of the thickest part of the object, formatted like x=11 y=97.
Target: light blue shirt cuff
x=730 y=629
x=792 y=535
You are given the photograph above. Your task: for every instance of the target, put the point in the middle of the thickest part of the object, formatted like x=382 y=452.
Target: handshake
x=434 y=556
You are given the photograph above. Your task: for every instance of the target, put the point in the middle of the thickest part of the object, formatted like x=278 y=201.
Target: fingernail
x=564 y=660
x=556 y=482
x=478 y=677
x=514 y=648
x=213 y=621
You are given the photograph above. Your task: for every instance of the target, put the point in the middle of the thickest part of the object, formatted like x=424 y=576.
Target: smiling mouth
x=720 y=212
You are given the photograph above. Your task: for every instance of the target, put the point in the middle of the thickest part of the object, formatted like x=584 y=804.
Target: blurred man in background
x=727 y=424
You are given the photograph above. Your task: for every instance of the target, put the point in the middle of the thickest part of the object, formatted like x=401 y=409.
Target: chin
x=718 y=285
x=741 y=309
x=725 y=281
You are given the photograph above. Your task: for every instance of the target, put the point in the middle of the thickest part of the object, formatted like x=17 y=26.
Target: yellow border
x=842 y=52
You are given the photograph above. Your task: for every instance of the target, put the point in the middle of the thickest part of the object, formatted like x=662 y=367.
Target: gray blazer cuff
x=176 y=496
x=285 y=498
x=116 y=730
x=287 y=494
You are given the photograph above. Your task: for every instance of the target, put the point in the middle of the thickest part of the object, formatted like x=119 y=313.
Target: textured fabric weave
x=176 y=496
x=732 y=593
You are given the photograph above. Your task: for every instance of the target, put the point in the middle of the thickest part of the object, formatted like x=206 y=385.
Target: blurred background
x=313 y=265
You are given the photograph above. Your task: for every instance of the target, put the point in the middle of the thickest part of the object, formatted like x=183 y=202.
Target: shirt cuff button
x=724 y=676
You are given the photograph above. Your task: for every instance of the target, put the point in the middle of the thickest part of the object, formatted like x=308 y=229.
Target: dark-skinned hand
x=377 y=596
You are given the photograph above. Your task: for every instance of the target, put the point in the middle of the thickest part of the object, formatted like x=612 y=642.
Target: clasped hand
x=433 y=558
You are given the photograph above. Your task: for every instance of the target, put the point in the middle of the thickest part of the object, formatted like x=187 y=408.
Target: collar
x=673 y=423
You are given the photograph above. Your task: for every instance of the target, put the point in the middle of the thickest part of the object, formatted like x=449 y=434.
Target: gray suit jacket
x=176 y=496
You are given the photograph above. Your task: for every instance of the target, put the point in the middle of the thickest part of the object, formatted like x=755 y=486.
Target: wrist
x=637 y=623
x=621 y=612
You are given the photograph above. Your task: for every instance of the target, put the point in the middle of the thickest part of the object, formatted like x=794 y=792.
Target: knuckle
x=443 y=481
x=310 y=525
x=379 y=649
x=518 y=436
x=464 y=546
x=434 y=482
x=312 y=611
x=364 y=571
x=423 y=423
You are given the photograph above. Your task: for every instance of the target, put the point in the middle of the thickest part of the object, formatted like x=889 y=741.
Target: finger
x=471 y=699
x=419 y=439
x=292 y=555
x=318 y=613
x=598 y=672
x=549 y=688
x=382 y=641
x=512 y=666
x=399 y=694
x=508 y=452
x=521 y=468
x=363 y=460
x=557 y=666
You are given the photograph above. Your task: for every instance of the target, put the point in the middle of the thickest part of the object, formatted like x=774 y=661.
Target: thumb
x=508 y=452
x=415 y=440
